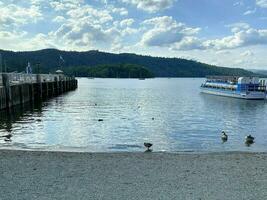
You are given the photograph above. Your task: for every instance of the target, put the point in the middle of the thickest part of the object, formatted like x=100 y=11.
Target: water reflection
x=170 y=113
x=8 y=117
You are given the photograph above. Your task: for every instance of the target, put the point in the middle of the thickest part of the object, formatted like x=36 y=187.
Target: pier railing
x=19 y=88
x=20 y=78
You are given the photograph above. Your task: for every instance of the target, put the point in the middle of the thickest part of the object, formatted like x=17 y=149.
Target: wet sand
x=64 y=175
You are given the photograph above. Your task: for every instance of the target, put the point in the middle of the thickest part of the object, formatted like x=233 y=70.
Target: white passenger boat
x=237 y=87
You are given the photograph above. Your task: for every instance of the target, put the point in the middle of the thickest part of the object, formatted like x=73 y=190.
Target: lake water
x=184 y=119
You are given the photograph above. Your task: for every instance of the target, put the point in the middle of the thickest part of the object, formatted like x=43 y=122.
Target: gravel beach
x=65 y=175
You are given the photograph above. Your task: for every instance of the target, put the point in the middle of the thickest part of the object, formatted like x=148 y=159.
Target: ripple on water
x=184 y=119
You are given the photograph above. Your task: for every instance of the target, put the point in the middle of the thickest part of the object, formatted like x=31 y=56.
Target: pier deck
x=17 y=88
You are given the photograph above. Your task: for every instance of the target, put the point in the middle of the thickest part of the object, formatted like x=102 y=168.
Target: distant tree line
x=80 y=63
x=110 y=71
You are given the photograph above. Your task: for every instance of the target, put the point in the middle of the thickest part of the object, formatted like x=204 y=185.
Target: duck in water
x=249 y=139
x=7 y=137
x=224 y=136
x=148 y=145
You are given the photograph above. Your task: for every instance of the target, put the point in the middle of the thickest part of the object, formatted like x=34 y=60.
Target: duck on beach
x=249 y=139
x=224 y=136
x=148 y=145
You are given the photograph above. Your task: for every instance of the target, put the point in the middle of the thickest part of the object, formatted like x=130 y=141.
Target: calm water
x=184 y=119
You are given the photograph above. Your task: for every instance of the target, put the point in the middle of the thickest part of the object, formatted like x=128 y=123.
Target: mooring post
x=61 y=85
x=39 y=87
x=31 y=92
x=56 y=86
x=52 y=88
x=6 y=84
x=47 y=89
x=21 y=94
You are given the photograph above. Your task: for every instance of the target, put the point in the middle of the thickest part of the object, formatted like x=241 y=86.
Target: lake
x=170 y=113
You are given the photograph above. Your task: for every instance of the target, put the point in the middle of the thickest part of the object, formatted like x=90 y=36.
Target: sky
x=231 y=33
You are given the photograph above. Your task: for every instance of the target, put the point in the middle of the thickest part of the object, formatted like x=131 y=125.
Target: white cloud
x=243 y=36
x=238 y=3
x=89 y=13
x=236 y=27
x=165 y=31
x=86 y=27
x=247 y=53
x=126 y=22
x=120 y=11
x=81 y=33
x=64 y=5
x=39 y=41
x=223 y=52
x=151 y=6
x=188 y=43
x=14 y=15
x=250 y=12
x=261 y=3
x=6 y=35
x=240 y=38
x=82 y=26
x=59 y=19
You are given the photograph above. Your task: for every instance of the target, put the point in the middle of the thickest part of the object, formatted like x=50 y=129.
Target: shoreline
x=78 y=150
x=132 y=175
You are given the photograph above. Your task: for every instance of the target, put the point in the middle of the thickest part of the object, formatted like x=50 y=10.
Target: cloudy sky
x=229 y=33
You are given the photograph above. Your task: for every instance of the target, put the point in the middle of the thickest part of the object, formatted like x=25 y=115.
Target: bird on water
x=7 y=137
x=249 y=139
x=148 y=145
x=224 y=136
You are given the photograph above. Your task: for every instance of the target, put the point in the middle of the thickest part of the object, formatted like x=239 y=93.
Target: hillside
x=48 y=60
x=259 y=71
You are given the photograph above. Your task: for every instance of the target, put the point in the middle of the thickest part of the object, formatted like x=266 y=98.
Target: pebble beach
x=67 y=175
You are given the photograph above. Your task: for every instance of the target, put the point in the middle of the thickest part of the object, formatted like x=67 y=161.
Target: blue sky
x=230 y=33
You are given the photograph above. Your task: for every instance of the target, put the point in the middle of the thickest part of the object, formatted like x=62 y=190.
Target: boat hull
x=234 y=94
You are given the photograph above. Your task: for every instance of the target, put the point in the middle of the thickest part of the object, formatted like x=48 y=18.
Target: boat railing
x=254 y=88
x=243 y=88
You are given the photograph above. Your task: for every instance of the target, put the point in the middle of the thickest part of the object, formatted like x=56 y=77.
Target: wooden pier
x=17 y=89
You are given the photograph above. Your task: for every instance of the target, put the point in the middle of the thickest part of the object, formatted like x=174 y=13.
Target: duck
x=249 y=139
x=7 y=137
x=224 y=136
x=148 y=145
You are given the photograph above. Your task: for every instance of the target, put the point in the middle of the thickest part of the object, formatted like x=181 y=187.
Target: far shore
x=68 y=175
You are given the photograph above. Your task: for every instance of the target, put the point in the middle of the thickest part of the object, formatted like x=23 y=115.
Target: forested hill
x=49 y=60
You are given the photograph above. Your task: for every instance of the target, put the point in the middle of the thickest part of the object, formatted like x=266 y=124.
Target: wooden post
x=39 y=87
x=31 y=92
x=52 y=88
x=21 y=95
x=6 y=84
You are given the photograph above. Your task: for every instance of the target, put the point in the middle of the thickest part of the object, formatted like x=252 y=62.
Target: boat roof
x=224 y=78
